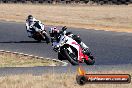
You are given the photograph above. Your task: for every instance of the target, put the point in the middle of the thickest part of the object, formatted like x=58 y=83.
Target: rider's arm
x=42 y=25
x=27 y=26
x=58 y=44
x=62 y=40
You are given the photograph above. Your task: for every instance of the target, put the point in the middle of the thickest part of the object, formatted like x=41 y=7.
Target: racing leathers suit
x=30 y=25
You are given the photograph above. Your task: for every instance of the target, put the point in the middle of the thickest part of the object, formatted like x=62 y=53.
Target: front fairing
x=74 y=44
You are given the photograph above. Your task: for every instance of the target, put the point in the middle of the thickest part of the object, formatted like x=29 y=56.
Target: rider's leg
x=46 y=36
x=42 y=27
x=29 y=33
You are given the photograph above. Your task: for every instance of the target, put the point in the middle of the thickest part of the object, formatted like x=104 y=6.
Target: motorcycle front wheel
x=71 y=57
x=47 y=38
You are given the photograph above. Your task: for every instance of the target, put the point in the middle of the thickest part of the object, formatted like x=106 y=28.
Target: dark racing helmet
x=30 y=18
x=53 y=31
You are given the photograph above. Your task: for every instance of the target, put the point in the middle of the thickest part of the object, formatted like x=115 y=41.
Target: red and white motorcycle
x=70 y=50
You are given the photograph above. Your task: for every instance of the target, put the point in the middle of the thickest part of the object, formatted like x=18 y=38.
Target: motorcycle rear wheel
x=90 y=61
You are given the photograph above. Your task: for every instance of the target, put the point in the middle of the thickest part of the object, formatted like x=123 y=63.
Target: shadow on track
x=22 y=42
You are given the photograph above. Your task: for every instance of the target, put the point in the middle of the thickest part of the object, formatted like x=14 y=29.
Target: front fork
x=70 y=50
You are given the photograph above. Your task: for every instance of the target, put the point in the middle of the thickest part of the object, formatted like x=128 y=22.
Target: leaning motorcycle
x=70 y=50
x=40 y=35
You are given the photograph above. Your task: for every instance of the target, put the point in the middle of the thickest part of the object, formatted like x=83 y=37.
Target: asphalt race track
x=109 y=48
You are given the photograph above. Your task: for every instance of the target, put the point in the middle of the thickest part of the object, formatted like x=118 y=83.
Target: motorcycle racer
x=54 y=34
x=30 y=21
x=59 y=36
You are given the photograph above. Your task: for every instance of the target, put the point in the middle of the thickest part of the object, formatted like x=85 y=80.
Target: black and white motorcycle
x=38 y=34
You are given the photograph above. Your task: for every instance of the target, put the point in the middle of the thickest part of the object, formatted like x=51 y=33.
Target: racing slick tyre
x=61 y=57
x=37 y=38
x=90 y=61
x=71 y=57
x=47 y=38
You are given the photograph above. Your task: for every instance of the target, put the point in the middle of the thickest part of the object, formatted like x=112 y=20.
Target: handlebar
x=64 y=28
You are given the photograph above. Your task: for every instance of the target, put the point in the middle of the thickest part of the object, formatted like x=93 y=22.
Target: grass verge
x=13 y=60
x=54 y=80
x=111 y=18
